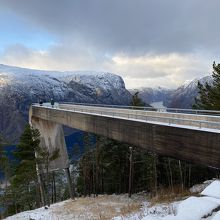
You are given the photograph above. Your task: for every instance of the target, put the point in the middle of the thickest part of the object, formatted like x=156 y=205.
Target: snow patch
x=213 y=190
x=217 y=216
x=198 y=188
x=194 y=208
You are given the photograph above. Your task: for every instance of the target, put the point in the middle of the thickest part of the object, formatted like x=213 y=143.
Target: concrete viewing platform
x=192 y=135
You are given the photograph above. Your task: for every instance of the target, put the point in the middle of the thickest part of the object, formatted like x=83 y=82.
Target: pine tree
x=43 y=160
x=24 y=182
x=25 y=153
x=4 y=161
x=136 y=101
x=209 y=94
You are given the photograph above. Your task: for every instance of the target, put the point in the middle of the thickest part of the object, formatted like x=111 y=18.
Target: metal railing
x=135 y=116
x=170 y=110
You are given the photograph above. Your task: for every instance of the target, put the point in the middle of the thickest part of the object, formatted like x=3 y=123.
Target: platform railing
x=145 y=108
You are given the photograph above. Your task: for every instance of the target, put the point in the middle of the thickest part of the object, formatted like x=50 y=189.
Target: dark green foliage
x=136 y=101
x=4 y=162
x=105 y=169
x=209 y=95
x=44 y=157
x=144 y=174
x=23 y=192
x=24 y=185
x=43 y=160
x=26 y=168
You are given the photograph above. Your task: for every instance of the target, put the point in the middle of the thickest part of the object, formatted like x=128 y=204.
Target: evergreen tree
x=25 y=153
x=4 y=161
x=136 y=101
x=24 y=182
x=209 y=94
x=43 y=159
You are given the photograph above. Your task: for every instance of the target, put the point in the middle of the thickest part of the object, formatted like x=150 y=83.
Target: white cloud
x=148 y=43
x=169 y=70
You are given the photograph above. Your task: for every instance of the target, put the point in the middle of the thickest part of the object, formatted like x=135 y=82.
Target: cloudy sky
x=147 y=42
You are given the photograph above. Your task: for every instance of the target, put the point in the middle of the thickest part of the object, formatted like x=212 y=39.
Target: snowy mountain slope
x=19 y=87
x=150 y=95
x=182 y=97
x=23 y=79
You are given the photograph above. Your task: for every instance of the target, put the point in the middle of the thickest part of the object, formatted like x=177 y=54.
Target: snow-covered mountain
x=60 y=84
x=152 y=95
x=19 y=87
x=182 y=97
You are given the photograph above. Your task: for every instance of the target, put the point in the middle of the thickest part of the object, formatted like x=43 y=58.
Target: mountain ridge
x=19 y=87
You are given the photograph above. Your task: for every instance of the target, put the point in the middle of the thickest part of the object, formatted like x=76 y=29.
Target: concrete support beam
x=52 y=137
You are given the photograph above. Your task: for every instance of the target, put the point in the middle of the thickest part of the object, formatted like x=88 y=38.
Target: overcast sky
x=147 y=42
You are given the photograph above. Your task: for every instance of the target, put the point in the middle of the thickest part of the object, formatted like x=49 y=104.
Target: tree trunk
x=130 y=171
x=168 y=176
x=69 y=181
x=155 y=173
x=54 y=187
x=93 y=176
x=189 y=183
x=97 y=168
x=181 y=174
x=171 y=175
x=42 y=191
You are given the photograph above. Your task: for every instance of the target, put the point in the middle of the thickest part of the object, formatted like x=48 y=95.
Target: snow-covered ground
x=120 y=207
x=102 y=207
x=206 y=206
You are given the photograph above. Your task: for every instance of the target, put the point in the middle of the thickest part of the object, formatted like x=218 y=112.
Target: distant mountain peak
x=182 y=97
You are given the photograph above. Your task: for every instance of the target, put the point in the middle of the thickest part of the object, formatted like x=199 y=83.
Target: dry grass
x=168 y=195
x=103 y=207
x=130 y=208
